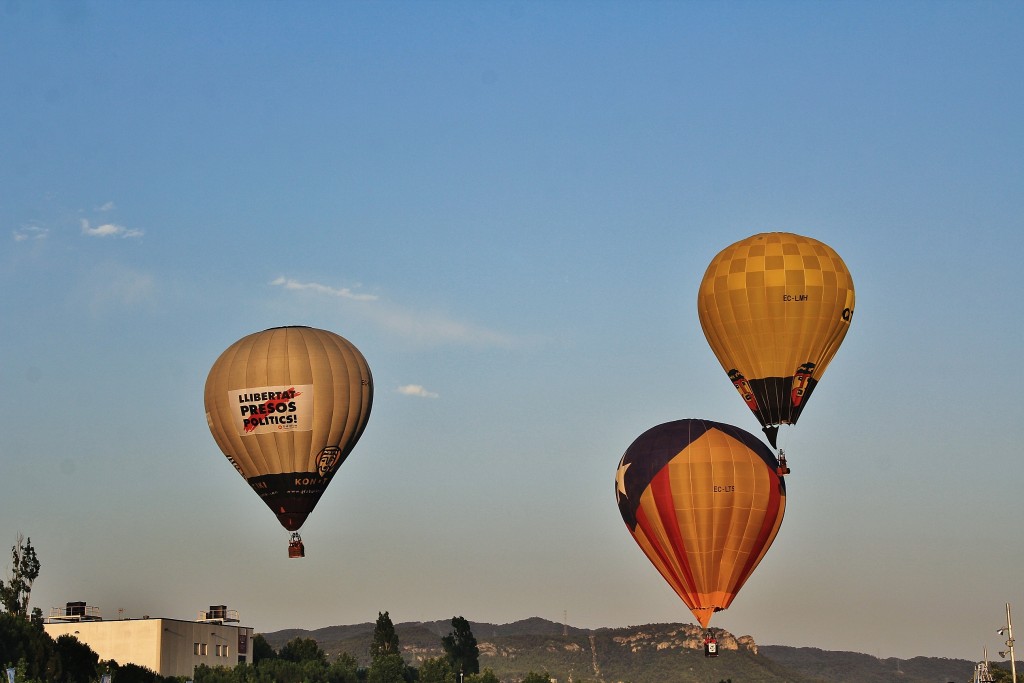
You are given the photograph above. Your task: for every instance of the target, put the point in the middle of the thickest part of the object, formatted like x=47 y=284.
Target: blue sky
x=508 y=206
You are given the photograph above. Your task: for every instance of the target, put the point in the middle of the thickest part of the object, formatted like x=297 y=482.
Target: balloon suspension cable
x=783 y=469
x=295 y=546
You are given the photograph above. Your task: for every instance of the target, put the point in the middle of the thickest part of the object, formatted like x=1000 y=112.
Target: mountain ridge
x=649 y=653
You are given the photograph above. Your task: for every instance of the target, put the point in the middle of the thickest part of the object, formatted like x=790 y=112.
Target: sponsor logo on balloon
x=800 y=380
x=740 y=382
x=327 y=460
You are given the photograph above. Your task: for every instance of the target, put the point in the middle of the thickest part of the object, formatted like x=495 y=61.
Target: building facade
x=170 y=647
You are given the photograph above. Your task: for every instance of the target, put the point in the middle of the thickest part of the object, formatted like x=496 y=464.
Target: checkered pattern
x=771 y=303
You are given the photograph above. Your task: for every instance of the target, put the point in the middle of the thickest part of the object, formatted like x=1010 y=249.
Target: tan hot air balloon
x=774 y=308
x=286 y=406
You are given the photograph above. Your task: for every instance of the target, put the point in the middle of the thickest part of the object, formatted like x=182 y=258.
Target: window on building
x=202 y=649
x=195 y=648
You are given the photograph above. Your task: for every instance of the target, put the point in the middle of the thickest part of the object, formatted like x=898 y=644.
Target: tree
x=133 y=673
x=345 y=669
x=385 y=640
x=387 y=668
x=77 y=659
x=386 y=662
x=214 y=674
x=534 y=677
x=303 y=650
x=436 y=670
x=487 y=676
x=281 y=671
x=14 y=594
x=24 y=642
x=1001 y=675
x=261 y=649
x=460 y=647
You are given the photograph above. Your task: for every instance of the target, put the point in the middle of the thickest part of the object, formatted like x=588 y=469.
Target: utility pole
x=1008 y=632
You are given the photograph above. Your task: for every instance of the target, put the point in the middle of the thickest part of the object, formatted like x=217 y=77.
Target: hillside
x=653 y=653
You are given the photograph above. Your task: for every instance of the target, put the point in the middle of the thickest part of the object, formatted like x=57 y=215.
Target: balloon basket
x=783 y=469
x=295 y=547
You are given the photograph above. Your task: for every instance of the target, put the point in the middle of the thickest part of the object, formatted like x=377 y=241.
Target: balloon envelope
x=703 y=501
x=286 y=406
x=775 y=308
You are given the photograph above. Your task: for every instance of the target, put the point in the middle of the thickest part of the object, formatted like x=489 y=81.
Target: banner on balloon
x=270 y=409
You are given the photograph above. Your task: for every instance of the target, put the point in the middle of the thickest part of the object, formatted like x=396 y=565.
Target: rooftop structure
x=170 y=647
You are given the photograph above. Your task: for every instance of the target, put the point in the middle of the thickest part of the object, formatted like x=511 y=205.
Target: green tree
x=132 y=673
x=78 y=661
x=534 y=677
x=487 y=676
x=303 y=650
x=437 y=670
x=261 y=649
x=26 y=645
x=387 y=668
x=1001 y=675
x=283 y=671
x=461 y=648
x=385 y=640
x=386 y=662
x=15 y=592
x=219 y=674
x=344 y=669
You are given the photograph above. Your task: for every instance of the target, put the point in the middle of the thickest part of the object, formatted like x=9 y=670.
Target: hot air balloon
x=286 y=406
x=704 y=502
x=774 y=308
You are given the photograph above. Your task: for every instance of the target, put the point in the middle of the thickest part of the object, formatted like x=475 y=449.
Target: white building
x=170 y=647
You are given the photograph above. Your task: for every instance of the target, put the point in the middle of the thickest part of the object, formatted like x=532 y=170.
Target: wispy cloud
x=420 y=326
x=344 y=292
x=112 y=287
x=109 y=206
x=427 y=327
x=31 y=232
x=109 y=230
x=416 y=390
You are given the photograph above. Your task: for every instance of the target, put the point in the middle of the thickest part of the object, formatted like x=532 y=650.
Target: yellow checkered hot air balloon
x=774 y=308
x=286 y=406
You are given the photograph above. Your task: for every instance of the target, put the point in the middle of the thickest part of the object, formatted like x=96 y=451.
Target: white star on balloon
x=620 y=481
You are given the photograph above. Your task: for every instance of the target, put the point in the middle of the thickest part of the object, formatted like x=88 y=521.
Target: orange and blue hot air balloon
x=704 y=502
